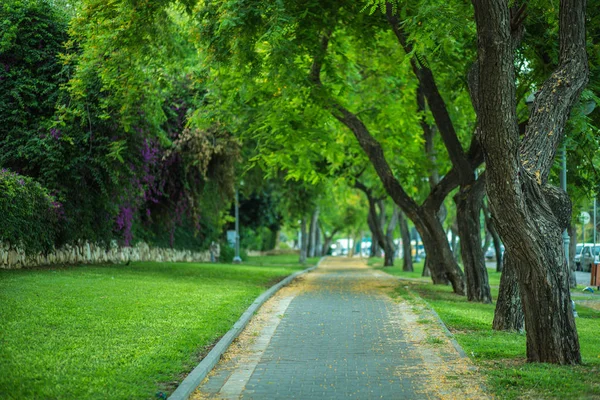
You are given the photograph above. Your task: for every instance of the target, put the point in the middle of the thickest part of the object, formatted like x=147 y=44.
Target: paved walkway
x=338 y=334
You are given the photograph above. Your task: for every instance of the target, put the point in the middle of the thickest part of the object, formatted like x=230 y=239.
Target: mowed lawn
x=118 y=332
x=501 y=356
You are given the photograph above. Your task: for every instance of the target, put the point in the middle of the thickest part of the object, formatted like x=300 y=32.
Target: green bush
x=28 y=214
x=228 y=252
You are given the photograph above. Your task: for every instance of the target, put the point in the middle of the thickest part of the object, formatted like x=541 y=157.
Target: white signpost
x=584 y=217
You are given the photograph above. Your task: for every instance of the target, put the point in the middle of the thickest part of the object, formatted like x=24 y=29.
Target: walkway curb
x=193 y=380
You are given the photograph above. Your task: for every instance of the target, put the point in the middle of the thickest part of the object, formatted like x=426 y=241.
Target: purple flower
x=58 y=209
x=124 y=222
x=21 y=182
x=55 y=133
x=149 y=152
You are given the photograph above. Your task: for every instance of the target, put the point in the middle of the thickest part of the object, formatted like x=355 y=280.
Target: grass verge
x=377 y=262
x=118 y=332
x=501 y=356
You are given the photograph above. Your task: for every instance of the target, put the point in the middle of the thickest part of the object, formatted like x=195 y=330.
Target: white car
x=583 y=256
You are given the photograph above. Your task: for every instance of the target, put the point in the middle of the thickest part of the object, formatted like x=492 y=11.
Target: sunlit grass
x=283 y=259
x=118 y=332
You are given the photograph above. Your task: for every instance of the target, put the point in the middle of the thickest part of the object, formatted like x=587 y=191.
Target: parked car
x=584 y=257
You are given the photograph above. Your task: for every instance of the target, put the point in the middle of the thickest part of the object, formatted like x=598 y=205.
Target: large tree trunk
x=376 y=222
x=468 y=208
x=407 y=264
x=530 y=214
x=439 y=258
x=312 y=244
x=509 y=311
x=390 y=248
x=375 y=243
x=455 y=241
x=303 y=240
x=318 y=241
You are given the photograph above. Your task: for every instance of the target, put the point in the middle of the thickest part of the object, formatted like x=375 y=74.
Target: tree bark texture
x=468 y=209
x=303 y=240
x=318 y=241
x=530 y=215
x=390 y=252
x=489 y=223
x=509 y=311
x=407 y=264
x=327 y=240
x=376 y=221
x=312 y=244
x=371 y=222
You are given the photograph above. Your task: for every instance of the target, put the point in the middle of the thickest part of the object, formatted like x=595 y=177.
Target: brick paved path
x=338 y=334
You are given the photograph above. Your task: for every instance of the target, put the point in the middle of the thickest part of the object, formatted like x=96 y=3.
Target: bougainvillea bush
x=105 y=175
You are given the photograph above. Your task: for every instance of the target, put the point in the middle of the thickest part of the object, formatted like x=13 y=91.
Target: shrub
x=228 y=252
x=28 y=213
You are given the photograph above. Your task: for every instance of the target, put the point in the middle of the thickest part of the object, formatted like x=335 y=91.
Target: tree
x=531 y=214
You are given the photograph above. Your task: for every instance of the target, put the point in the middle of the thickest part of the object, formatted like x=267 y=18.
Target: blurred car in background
x=585 y=255
x=490 y=254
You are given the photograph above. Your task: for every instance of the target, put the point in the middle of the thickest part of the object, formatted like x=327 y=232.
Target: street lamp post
x=237 y=259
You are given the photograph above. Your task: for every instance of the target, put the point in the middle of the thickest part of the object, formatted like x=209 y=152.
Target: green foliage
x=228 y=253
x=28 y=214
x=103 y=128
x=31 y=36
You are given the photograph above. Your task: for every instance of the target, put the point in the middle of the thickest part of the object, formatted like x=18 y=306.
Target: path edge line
x=195 y=378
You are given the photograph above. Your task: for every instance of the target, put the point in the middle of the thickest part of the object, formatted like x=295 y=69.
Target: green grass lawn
x=501 y=355
x=283 y=259
x=118 y=332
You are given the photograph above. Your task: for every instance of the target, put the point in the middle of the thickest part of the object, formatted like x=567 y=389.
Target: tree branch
x=436 y=103
x=554 y=101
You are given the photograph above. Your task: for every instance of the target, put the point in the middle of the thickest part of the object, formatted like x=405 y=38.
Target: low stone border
x=193 y=380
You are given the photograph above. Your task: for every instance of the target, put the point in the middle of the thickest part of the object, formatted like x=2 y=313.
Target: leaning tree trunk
x=491 y=227
x=326 y=245
x=509 y=311
x=531 y=214
x=468 y=208
x=455 y=242
x=390 y=248
x=303 y=240
x=407 y=264
x=327 y=240
x=318 y=241
x=375 y=249
x=439 y=258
